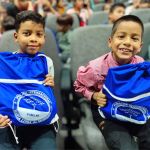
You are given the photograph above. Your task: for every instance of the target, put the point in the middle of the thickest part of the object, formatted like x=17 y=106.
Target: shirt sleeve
x=50 y=66
x=86 y=81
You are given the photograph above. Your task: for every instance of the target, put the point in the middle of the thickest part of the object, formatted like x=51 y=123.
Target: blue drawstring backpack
x=23 y=97
x=127 y=89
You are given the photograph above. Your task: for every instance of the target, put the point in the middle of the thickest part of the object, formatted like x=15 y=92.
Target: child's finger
x=101 y=102
x=50 y=83
x=48 y=77
x=5 y=123
x=101 y=95
x=3 y=118
x=101 y=105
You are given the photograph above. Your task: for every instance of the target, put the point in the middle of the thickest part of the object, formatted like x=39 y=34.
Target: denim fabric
x=31 y=137
x=123 y=135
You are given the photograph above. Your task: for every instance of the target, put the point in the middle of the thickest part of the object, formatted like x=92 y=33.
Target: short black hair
x=28 y=16
x=116 y=5
x=126 y=18
x=65 y=19
x=8 y=23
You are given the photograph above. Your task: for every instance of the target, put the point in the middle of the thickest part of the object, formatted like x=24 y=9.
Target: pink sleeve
x=140 y=59
x=85 y=81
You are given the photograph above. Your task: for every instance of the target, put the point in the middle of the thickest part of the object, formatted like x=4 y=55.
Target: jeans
x=30 y=137
x=121 y=135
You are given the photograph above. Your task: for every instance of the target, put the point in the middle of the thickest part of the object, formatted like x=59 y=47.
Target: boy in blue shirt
x=30 y=36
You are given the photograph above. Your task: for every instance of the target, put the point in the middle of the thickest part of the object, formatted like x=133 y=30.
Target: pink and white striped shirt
x=91 y=78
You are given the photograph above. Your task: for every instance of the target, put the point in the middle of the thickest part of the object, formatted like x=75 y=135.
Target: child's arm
x=85 y=82
x=99 y=98
x=89 y=79
x=4 y=120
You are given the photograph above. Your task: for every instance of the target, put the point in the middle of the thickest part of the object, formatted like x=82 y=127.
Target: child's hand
x=4 y=120
x=49 y=80
x=99 y=98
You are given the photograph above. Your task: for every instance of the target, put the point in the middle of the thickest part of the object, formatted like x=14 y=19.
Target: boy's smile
x=30 y=37
x=126 y=41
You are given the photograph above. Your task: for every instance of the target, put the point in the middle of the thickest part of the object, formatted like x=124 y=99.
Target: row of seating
x=98 y=17
x=86 y=44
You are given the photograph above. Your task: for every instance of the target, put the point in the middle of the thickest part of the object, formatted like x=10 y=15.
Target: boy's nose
x=33 y=38
x=127 y=41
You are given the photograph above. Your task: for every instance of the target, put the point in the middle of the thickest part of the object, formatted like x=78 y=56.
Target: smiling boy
x=125 y=42
x=34 y=130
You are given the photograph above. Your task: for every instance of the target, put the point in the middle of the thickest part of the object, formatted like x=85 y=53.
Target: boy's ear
x=109 y=42
x=15 y=36
x=139 y=50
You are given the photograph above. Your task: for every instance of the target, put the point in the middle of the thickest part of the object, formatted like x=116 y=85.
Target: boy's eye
x=40 y=34
x=26 y=33
x=120 y=36
x=135 y=39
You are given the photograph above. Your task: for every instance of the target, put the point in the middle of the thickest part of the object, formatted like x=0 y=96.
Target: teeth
x=125 y=50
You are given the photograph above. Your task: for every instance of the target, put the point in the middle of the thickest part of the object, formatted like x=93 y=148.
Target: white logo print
x=32 y=107
x=128 y=112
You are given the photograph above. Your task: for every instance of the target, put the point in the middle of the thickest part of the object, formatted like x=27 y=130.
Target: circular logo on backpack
x=32 y=107
x=129 y=112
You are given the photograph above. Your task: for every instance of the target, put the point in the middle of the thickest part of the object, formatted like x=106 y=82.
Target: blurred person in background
x=8 y=23
x=106 y=7
x=3 y=14
x=135 y=4
x=60 y=7
x=145 y=4
x=63 y=35
x=82 y=9
x=49 y=7
x=18 y=6
x=45 y=7
x=86 y=11
x=116 y=11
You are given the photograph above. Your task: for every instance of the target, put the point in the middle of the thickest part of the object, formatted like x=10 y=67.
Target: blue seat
x=99 y=17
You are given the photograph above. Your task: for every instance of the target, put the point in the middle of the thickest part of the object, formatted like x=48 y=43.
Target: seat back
x=7 y=42
x=87 y=44
x=146 y=42
x=143 y=14
x=51 y=22
x=99 y=17
x=98 y=7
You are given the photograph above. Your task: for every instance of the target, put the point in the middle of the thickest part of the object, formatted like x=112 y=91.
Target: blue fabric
x=127 y=89
x=29 y=103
